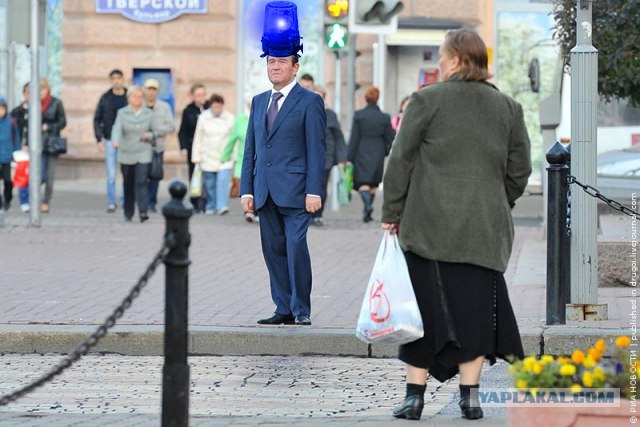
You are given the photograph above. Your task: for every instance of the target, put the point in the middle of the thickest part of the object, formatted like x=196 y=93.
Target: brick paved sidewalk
x=127 y=391
x=82 y=261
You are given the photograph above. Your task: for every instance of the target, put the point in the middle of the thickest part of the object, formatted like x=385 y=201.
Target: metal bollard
x=558 y=239
x=175 y=378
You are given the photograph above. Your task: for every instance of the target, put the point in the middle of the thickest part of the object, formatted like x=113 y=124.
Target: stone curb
x=147 y=340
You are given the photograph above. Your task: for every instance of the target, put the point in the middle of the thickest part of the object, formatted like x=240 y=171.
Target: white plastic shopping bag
x=195 y=188
x=389 y=312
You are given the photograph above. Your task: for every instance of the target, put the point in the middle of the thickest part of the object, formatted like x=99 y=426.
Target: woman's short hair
x=216 y=99
x=134 y=89
x=44 y=84
x=195 y=87
x=371 y=95
x=467 y=45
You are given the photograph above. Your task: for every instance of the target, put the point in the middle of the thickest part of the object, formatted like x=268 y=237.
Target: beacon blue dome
x=281 y=36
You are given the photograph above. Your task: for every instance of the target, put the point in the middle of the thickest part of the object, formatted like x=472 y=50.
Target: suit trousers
x=136 y=188
x=283 y=232
x=5 y=176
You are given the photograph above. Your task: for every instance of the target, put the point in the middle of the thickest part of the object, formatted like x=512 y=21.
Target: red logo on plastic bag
x=379 y=305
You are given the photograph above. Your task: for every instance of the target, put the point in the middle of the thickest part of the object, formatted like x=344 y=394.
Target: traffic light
x=374 y=16
x=335 y=29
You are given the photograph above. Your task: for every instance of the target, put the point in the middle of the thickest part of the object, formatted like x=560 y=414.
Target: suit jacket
x=336 y=147
x=461 y=158
x=288 y=162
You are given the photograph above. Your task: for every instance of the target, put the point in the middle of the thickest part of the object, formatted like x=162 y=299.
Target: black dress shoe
x=410 y=409
x=143 y=217
x=303 y=320
x=277 y=319
x=470 y=412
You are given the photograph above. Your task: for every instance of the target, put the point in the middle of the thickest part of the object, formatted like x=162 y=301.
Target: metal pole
x=351 y=82
x=337 y=104
x=35 y=125
x=558 y=239
x=175 y=378
x=584 y=99
x=382 y=63
x=240 y=72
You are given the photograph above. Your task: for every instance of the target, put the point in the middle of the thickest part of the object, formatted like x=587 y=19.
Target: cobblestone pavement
x=251 y=390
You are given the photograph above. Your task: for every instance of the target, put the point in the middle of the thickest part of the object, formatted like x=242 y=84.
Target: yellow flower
x=589 y=362
x=623 y=342
x=587 y=379
x=528 y=363
x=533 y=391
x=537 y=369
x=599 y=373
x=547 y=358
x=577 y=357
x=522 y=384
x=563 y=360
x=513 y=368
x=567 y=370
x=595 y=354
x=600 y=345
x=575 y=388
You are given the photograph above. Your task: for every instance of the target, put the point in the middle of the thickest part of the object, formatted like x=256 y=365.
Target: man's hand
x=312 y=203
x=184 y=152
x=391 y=228
x=147 y=136
x=101 y=146
x=247 y=204
x=45 y=127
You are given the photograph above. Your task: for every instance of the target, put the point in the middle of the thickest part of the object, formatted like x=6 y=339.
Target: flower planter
x=577 y=416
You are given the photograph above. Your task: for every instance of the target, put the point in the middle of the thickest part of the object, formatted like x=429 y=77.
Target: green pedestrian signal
x=336 y=36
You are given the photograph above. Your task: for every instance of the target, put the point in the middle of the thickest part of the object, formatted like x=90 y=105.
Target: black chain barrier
x=92 y=340
x=594 y=192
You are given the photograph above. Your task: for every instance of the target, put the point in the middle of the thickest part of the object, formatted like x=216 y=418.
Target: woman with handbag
x=209 y=141
x=459 y=163
x=53 y=121
x=133 y=134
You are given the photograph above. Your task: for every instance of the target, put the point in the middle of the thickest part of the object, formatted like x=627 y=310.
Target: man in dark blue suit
x=283 y=168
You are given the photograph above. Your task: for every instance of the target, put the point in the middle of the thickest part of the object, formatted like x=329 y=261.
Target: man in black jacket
x=188 y=129
x=110 y=102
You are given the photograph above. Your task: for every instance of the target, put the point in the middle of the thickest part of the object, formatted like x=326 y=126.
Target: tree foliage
x=616 y=35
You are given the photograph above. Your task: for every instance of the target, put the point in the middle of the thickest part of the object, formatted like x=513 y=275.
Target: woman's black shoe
x=470 y=412
x=410 y=409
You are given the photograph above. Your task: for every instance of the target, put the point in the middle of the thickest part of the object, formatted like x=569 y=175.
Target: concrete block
x=531 y=340
x=563 y=339
x=227 y=341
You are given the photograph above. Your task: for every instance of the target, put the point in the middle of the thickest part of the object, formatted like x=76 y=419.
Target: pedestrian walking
x=103 y=120
x=459 y=163
x=236 y=141
x=335 y=154
x=9 y=142
x=306 y=81
x=132 y=134
x=190 y=114
x=369 y=144
x=283 y=167
x=21 y=116
x=165 y=125
x=53 y=121
x=212 y=133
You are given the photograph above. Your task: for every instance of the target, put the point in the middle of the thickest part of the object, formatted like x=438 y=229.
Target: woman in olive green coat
x=460 y=161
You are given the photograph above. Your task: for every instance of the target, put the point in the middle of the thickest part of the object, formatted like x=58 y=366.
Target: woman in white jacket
x=210 y=138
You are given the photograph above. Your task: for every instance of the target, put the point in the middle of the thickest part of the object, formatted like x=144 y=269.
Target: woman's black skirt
x=466 y=313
